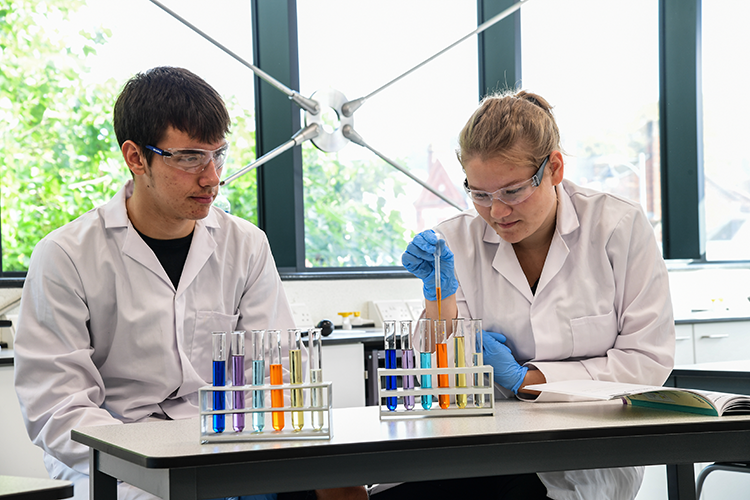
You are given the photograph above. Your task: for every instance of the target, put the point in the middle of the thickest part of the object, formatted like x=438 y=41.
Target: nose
x=498 y=210
x=210 y=175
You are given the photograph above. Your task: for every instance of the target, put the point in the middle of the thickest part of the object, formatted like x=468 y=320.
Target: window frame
x=280 y=189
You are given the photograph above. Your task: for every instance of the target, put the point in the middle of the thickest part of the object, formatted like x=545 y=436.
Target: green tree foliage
x=347 y=219
x=60 y=157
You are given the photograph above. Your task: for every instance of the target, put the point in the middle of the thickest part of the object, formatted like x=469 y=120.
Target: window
x=597 y=63
x=725 y=111
x=63 y=64
x=360 y=211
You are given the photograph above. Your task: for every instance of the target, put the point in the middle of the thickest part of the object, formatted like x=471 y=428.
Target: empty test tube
x=316 y=375
x=219 y=340
x=459 y=358
x=258 y=357
x=296 y=377
x=407 y=360
x=237 y=355
x=277 y=378
x=389 y=330
x=441 y=346
x=427 y=345
x=474 y=340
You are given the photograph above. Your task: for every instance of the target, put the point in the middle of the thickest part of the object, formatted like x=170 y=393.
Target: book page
x=593 y=389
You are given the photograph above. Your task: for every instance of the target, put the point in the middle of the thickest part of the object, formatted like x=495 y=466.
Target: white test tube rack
x=207 y=434
x=487 y=392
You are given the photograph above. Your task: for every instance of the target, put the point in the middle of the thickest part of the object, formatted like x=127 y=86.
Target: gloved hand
x=508 y=372
x=419 y=259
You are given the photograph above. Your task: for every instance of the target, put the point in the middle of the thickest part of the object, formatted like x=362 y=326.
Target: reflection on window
x=725 y=130
x=597 y=64
x=62 y=66
x=360 y=211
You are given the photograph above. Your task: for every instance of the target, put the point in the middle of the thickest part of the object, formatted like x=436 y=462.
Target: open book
x=665 y=398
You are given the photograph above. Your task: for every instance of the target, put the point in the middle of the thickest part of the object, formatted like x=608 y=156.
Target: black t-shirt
x=172 y=254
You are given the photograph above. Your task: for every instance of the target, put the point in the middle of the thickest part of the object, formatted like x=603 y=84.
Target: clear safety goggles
x=193 y=161
x=511 y=195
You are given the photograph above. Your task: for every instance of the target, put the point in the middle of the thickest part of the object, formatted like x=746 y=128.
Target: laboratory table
x=32 y=488
x=166 y=458
x=723 y=376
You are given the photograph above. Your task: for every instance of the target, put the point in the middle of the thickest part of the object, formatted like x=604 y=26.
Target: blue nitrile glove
x=419 y=259
x=508 y=372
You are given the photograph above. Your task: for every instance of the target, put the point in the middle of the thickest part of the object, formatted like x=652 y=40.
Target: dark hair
x=161 y=97
x=518 y=126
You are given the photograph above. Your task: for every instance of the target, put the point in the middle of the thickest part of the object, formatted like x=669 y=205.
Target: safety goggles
x=511 y=195
x=193 y=161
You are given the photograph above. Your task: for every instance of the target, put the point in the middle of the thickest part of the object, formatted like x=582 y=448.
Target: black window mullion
x=681 y=123
x=499 y=48
x=280 y=193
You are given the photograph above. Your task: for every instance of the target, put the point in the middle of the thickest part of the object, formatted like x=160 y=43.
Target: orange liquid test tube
x=442 y=362
x=277 y=395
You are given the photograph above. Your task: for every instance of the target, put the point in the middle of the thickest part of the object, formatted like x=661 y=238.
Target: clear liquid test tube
x=314 y=336
x=296 y=377
x=474 y=341
x=389 y=331
x=441 y=347
x=277 y=378
x=237 y=355
x=407 y=360
x=219 y=340
x=258 y=358
x=459 y=358
x=426 y=347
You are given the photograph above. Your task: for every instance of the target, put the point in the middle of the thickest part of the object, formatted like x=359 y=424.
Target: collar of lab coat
x=115 y=216
x=506 y=262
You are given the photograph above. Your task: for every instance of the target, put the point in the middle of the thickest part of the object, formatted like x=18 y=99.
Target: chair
x=728 y=466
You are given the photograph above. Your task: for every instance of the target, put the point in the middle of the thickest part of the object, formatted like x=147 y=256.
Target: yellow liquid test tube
x=444 y=400
x=277 y=395
x=475 y=346
x=459 y=359
x=295 y=377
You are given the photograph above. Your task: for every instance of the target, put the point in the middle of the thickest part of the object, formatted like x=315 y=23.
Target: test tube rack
x=487 y=391
x=207 y=434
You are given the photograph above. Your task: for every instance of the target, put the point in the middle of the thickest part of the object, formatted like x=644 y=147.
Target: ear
x=133 y=156
x=556 y=167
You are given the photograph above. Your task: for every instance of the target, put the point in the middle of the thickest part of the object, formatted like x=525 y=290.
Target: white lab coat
x=602 y=308
x=103 y=337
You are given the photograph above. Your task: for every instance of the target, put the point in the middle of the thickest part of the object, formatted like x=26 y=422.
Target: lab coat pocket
x=593 y=335
x=207 y=322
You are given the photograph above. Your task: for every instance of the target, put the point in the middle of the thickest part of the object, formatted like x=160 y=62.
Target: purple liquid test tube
x=238 y=378
x=389 y=330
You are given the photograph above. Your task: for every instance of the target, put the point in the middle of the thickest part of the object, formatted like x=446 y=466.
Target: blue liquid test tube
x=389 y=330
x=426 y=348
x=258 y=358
x=407 y=360
x=237 y=355
x=219 y=340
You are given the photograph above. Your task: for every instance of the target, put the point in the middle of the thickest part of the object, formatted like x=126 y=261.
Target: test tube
x=257 y=355
x=427 y=345
x=475 y=343
x=237 y=354
x=295 y=377
x=441 y=345
x=459 y=358
x=316 y=374
x=407 y=361
x=277 y=378
x=438 y=288
x=389 y=330
x=219 y=340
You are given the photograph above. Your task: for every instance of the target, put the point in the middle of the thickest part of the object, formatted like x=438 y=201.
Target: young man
x=119 y=305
